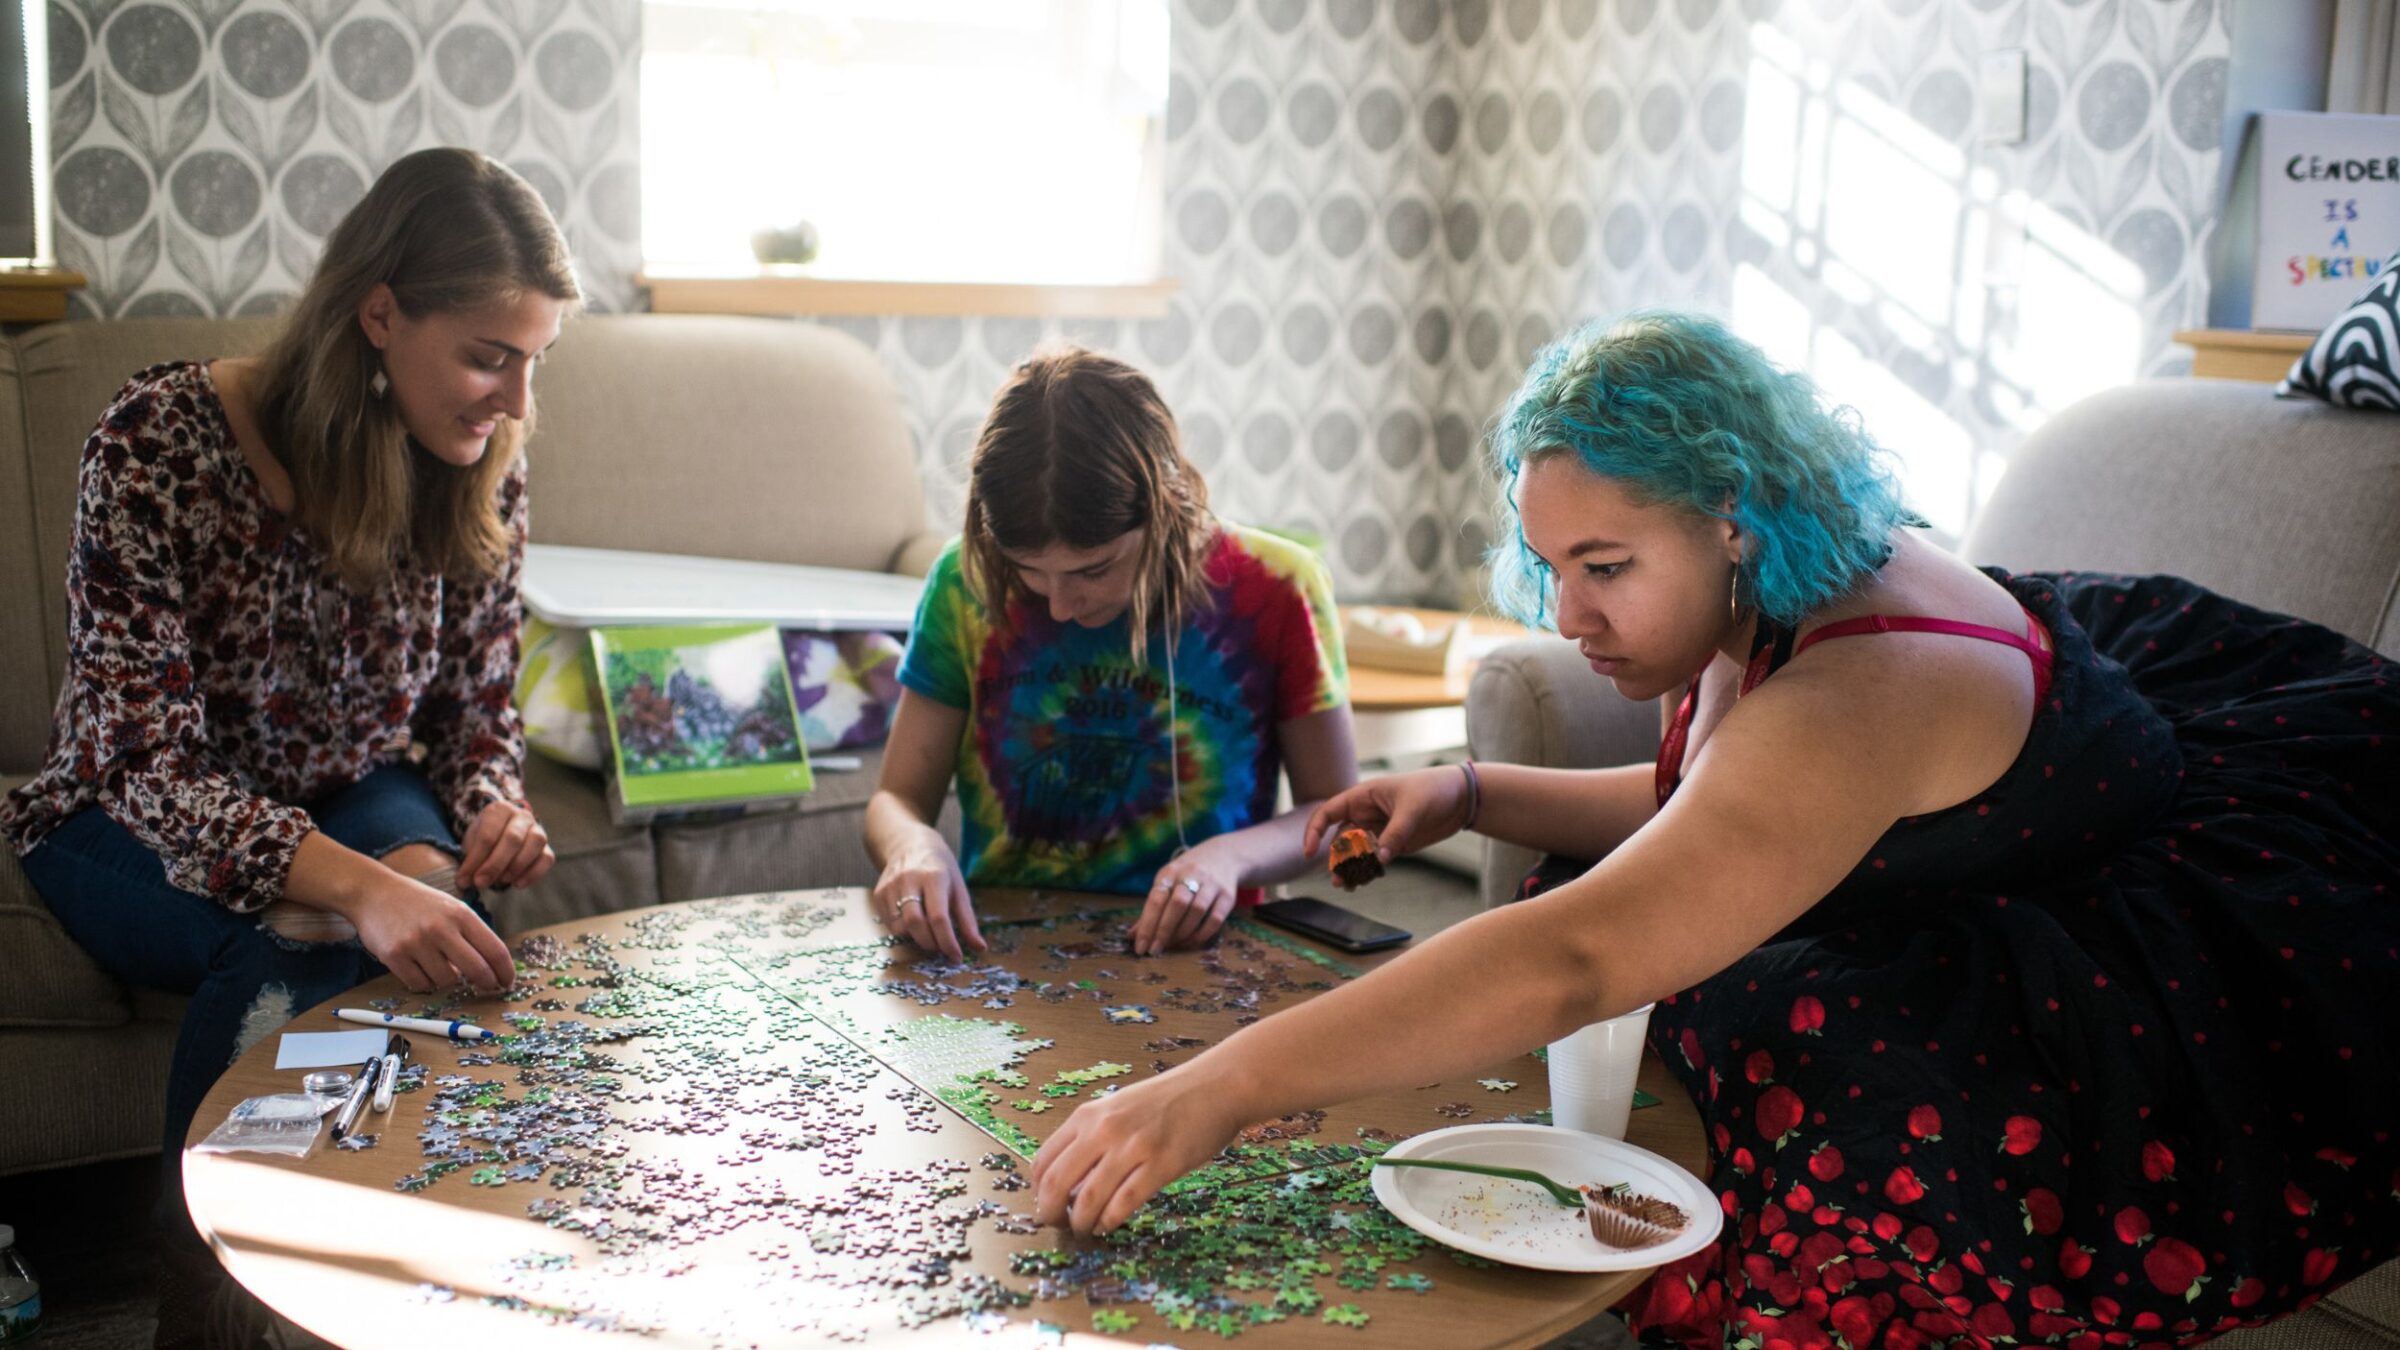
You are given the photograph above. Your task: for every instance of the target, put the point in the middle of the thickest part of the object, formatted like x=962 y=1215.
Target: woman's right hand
x=1113 y=1153
x=922 y=897
x=1404 y=811
x=429 y=939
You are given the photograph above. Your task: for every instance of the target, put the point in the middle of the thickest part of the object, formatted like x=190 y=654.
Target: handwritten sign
x=2328 y=213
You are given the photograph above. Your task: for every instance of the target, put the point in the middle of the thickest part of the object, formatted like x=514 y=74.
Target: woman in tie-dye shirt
x=1113 y=678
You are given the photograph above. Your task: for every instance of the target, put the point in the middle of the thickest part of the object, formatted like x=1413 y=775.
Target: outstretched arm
x=1789 y=793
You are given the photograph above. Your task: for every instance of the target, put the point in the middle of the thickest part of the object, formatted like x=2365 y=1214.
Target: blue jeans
x=111 y=893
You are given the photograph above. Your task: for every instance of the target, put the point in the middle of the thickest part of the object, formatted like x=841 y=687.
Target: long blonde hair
x=450 y=231
x=1079 y=450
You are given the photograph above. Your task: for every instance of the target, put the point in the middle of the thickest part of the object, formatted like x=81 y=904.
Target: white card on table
x=328 y=1049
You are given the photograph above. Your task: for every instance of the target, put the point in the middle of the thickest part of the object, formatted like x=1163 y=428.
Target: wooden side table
x=2236 y=354
x=1401 y=713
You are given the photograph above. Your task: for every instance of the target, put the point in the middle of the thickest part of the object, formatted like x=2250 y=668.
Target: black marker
x=359 y=1092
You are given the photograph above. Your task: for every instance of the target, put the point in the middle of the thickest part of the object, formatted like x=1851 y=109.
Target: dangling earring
x=380 y=385
x=1733 y=596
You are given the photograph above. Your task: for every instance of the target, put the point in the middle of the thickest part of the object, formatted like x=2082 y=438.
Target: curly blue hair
x=1683 y=413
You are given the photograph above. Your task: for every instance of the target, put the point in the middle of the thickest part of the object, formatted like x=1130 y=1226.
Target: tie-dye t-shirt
x=1063 y=771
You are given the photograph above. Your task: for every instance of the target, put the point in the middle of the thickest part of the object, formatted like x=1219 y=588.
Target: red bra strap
x=1770 y=648
x=1670 y=746
x=2035 y=642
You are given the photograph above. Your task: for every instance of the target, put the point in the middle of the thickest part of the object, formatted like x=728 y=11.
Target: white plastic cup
x=1592 y=1072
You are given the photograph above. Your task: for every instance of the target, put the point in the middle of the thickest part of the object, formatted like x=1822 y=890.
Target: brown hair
x=1079 y=450
x=449 y=231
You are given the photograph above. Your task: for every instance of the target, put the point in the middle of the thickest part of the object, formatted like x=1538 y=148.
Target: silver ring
x=906 y=901
x=1191 y=885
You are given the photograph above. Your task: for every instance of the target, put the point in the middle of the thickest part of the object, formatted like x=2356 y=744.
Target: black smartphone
x=1331 y=924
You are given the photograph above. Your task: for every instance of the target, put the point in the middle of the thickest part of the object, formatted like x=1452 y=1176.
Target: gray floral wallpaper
x=1377 y=209
x=202 y=149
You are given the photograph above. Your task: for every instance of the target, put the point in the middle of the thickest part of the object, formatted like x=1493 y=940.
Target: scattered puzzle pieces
x=709 y=1070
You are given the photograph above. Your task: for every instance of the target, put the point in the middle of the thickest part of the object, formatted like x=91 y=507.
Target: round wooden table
x=712 y=1131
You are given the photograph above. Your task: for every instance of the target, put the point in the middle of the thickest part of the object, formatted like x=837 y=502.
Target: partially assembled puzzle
x=760 y=1120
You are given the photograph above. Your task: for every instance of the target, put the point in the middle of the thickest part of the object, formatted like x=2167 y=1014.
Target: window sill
x=36 y=294
x=785 y=291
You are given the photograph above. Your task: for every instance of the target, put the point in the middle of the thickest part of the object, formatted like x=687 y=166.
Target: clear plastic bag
x=285 y=1123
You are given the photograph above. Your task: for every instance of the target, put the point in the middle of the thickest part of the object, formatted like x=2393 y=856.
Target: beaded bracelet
x=1474 y=793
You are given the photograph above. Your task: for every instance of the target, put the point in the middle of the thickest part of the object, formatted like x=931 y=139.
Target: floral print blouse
x=219 y=672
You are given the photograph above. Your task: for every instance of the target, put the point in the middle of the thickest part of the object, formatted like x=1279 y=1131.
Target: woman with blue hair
x=2028 y=959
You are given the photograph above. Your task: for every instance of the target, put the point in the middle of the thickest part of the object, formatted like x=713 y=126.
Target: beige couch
x=2290 y=505
x=743 y=438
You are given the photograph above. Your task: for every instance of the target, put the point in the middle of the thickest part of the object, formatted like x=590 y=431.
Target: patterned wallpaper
x=202 y=149
x=1377 y=209
x=1314 y=152
x=1960 y=293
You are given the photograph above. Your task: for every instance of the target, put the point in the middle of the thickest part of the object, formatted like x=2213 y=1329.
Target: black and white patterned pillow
x=2355 y=362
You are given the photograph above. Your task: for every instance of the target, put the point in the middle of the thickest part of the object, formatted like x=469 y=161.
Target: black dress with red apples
x=2105 y=1056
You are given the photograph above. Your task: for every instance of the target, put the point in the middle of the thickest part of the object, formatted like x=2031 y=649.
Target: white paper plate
x=1516 y=1221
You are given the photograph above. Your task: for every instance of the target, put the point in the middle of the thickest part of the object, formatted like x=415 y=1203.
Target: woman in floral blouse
x=292 y=634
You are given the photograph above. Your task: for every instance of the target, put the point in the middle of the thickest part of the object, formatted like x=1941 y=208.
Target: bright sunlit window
x=1904 y=231
x=924 y=140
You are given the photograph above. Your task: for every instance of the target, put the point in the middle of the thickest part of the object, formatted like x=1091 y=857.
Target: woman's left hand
x=1188 y=902
x=506 y=847
x=1114 y=1152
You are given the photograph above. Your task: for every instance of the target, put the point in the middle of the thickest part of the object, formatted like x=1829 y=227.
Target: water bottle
x=20 y=1293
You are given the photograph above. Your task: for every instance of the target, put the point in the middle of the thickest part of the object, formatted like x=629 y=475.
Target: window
x=24 y=131
x=1014 y=141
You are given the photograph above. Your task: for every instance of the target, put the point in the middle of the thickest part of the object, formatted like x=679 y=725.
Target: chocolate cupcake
x=1353 y=861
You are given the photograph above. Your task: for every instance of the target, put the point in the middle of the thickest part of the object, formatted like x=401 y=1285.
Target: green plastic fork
x=1565 y=1195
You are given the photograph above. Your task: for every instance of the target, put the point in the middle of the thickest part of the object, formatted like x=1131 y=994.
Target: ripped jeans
x=111 y=894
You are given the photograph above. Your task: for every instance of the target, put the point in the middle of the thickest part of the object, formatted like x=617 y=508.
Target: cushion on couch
x=28 y=676
x=601 y=867
x=61 y=1109
x=50 y=982
x=2284 y=503
x=2355 y=362
x=751 y=438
